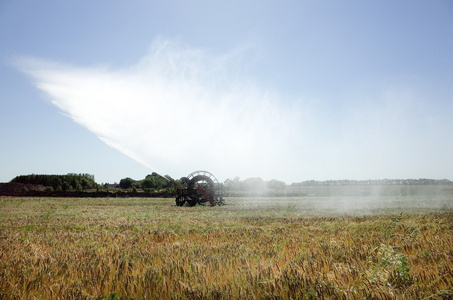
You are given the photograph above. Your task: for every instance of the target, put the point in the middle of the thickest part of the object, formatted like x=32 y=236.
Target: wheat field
x=270 y=248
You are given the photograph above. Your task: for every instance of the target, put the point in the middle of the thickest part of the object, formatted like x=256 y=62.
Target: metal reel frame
x=200 y=187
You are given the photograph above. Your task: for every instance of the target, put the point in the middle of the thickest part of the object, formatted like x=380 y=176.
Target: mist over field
x=335 y=206
x=352 y=200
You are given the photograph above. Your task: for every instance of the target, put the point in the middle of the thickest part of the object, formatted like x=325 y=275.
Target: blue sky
x=292 y=90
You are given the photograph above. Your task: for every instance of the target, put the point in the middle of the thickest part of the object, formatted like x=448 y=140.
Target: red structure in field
x=199 y=187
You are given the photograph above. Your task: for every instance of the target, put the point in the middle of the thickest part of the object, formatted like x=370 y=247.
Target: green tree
x=233 y=184
x=65 y=186
x=254 y=183
x=126 y=183
x=155 y=181
x=275 y=184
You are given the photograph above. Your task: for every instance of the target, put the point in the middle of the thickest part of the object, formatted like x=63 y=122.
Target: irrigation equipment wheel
x=199 y=187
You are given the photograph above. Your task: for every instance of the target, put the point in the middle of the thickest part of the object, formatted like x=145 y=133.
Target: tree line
x=68 y=182
x=152 y=182
x=253 y=184
x=156 y=183
x=421 y=181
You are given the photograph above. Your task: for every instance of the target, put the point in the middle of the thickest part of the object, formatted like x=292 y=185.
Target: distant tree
x=233 y=184
x=155 y=181
x=147 y=184
x=65 y=186
x=78 y=187
x=126 y=183
x=275 y=184
x=84 y=183
x=254 y=183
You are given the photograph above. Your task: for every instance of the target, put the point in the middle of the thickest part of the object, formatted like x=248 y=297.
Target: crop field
x=332 y=247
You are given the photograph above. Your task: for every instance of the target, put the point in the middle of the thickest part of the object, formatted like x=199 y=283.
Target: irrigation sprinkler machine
x=199 y=187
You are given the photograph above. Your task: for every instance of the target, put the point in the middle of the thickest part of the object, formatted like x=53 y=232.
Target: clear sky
x=287 y=90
